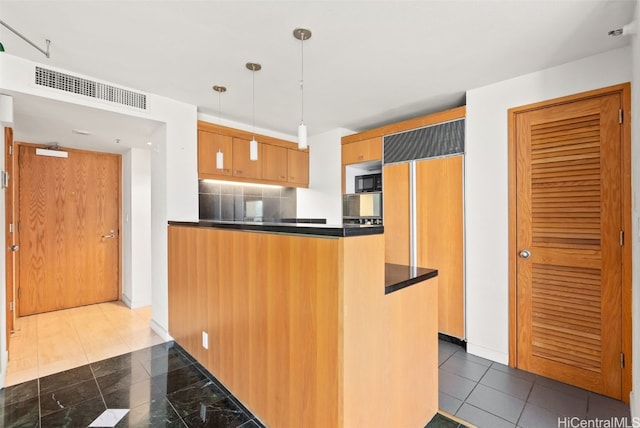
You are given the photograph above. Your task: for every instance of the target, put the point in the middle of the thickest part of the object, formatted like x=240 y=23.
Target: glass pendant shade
x=219 y=160
x=302 y=136
x=253 y=149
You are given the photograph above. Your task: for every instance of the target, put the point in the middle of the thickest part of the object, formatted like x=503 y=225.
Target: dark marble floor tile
x=222 y=414
x=156 y=414
x=21 y=414
x=112 y=365
x=122 y=379
x=161 y=350
x=172 y=361
x=65 y=378
x=134 y=395
x=188 y=400
x=75 y=416
x=21 y=392
x=441 y=421
x=177 y=379
x=63 y=398
x=252 y=424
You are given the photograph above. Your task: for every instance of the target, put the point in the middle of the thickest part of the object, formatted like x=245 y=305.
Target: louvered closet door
x=569 y=219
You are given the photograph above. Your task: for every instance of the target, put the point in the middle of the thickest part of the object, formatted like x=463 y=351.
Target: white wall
x=174 y=185
x=635 y=179
x=323 y=198
x=486 y=186
x=136 y=222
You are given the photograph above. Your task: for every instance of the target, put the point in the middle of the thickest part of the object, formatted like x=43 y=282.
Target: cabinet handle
x=226 y=170
x=238 y=171
x=360 y=157
x=292 y=178
x=282 y=177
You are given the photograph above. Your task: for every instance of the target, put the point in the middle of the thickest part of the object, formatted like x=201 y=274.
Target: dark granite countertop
x=397 y=277
x=345 y=230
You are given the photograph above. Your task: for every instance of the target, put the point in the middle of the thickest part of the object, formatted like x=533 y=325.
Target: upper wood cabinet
x=362 y=151
x=279 y=161
x=209 y=143
x=243 y=166
x=298 y=167
x=274 y=162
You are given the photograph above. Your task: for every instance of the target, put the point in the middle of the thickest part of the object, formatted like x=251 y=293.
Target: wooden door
x=569 y=224
x=68 y=230
x=439 y=232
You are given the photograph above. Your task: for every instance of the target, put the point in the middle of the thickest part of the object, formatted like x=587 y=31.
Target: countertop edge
x=288 y=228
x=425 y=274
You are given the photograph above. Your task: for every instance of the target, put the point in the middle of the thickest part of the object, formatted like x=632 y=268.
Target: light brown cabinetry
x=279 y=161
x=298 y=167
x=281 y=338
x=362 y=151
x=243 y=166
x=439 y=202
x=395 y=188
x=209 y=143
x=439 y=226
x=274 y=162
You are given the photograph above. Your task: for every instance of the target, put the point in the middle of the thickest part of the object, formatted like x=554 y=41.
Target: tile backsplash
x=229 y=201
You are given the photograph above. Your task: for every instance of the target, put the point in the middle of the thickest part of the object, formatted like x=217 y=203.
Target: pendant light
x=302 y=34
x=253 y=144
x=219 y=155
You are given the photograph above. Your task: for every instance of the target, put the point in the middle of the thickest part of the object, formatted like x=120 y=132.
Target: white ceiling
x=368 y=63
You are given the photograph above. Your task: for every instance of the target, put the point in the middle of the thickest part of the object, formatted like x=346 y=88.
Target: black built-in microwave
x=369 y=183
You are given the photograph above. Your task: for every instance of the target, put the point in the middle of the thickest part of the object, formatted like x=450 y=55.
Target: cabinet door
x=395 y=200
x=208 y=145
x=242 y=165
x=439 y=206
x=274 y=163
x=298 y=167
x=362 y=151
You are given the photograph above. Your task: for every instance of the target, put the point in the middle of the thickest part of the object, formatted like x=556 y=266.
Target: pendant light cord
x=253 y=78
x=302 y=79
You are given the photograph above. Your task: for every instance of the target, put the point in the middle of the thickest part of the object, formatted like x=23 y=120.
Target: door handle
x=525 y=254
x=111 y=234
x=14 y=247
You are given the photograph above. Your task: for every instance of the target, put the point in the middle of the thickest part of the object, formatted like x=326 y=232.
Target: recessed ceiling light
x=117 y=140
x=81 y=132
x=148 y=143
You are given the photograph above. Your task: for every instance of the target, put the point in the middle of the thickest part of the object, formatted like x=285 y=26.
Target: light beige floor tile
x=21 y=370
x=104 y=352
x=23 y=347
x=70 y=362
x=56 y=341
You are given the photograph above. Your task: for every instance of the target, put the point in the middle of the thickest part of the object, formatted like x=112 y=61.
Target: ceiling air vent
x=89 y=88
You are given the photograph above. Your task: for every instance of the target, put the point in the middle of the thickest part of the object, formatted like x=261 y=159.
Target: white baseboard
x=127 y=301
x=489 y=354
x=160 y=330
x=633 y=406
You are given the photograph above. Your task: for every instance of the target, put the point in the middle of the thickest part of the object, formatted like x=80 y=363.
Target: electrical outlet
x=205 y=340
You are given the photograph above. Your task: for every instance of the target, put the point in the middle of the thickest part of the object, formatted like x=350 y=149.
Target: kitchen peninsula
x=299 y=323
